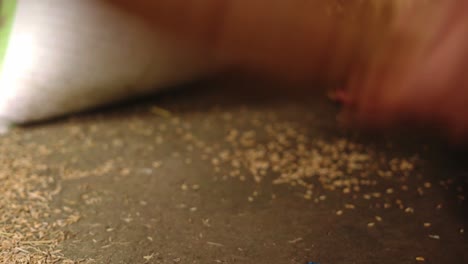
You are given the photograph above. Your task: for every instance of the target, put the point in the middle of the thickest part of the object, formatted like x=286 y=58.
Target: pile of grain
x=30 y=230
x=269 y=148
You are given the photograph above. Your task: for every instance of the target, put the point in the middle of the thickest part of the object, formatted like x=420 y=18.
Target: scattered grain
x=149 y=257
x=29 y=233
x=296 y=240
x=160 y=112
x=214 y=244
x=157 y=164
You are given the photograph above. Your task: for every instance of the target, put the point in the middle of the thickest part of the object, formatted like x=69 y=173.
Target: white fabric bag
x=64 y=56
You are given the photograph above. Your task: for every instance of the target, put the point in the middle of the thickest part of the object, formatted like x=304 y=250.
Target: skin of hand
x=399 y=59
x=425 y=83
x=296 y=39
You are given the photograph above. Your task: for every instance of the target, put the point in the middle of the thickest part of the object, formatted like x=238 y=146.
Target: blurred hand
x=296 y=39
x=401 y=60
x=421 y=80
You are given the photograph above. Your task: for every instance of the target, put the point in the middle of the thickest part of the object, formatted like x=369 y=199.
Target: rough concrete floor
x=143 y=197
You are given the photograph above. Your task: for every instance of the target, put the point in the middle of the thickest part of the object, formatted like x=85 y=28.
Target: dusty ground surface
x=216 y=177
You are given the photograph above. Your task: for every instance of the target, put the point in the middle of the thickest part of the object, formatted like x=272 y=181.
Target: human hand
x=295 y=39
x=425 y=83
x=402 y=60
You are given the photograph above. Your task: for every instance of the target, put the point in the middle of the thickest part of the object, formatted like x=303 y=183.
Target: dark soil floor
x=147 y=186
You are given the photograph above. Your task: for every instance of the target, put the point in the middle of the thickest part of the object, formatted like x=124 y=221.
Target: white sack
x=65 y=56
